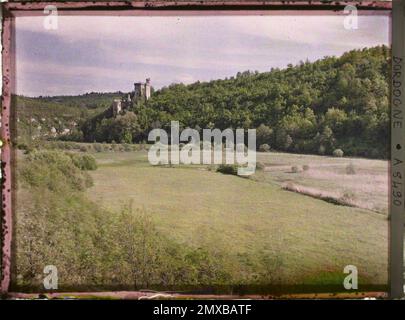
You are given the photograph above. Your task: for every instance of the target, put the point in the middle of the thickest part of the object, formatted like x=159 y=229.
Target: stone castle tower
x=142 y=90
x=116 y=106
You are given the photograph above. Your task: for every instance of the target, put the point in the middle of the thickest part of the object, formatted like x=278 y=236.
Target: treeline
x=91 y=100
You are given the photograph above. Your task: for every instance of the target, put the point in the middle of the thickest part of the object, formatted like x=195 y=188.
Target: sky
x=108 y=54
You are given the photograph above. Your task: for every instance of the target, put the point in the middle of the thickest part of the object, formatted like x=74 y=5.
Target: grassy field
x=304 y=239
x=366 y=186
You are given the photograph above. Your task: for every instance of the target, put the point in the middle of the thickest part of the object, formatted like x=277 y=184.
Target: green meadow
x=111 y=221
x=304 y=238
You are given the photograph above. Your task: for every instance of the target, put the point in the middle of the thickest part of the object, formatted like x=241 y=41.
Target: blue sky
x=108 y=54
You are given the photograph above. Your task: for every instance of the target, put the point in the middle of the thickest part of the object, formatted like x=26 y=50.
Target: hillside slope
x=313 y=107
x=56 y=117
x=308 y=108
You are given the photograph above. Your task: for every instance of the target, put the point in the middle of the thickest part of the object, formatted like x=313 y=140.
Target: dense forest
x=312 y=107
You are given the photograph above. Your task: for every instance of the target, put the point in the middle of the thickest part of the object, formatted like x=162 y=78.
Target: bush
x=90 y=148
x=69 y=145
x=98 y=147
x=54 y=170
x=84 y=162
x=260 y=166
x=375 y=153
x=26 y=148
x=127 y=147
x=305 y=167
x=76 y=146
x=264 y=148
x=228 y=169
x=350 y=169
x=83 y=148
x=113 y=146
x=321 y=150
x=348 y=197
x=295 y=169
x=338 y=153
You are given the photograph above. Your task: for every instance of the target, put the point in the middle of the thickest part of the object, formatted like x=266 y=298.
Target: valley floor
x=306 y=239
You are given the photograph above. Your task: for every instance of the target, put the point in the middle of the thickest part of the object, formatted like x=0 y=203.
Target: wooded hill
x=50 y=117
x=313 y=107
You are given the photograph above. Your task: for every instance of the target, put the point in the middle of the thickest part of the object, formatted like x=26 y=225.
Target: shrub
x=62 y=145
x=84 y=162
x=54 y=170
x=375 y=153
x=350 y=169
x=113 y=146
x=76 y=146
x=338 y=153
x=127 y=147
x=263 y=134
x=305 y=167
x=228 y=169
x=83 y=148
x=260 y=166
x=26 y=148
x=321 y=150
x=348 y=198
x=98 y=147
x=264 y=148
x=295 y=169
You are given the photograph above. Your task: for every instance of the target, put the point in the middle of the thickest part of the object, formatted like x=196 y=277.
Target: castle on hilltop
x=141 y=92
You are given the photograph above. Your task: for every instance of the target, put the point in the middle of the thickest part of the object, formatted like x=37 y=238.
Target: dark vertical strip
x=397 y=207
x=6 y=225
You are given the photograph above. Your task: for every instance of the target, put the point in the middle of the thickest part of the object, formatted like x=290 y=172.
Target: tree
x=288 y=141
x=336 y=120
x=264 y=148
x=264 y=135
x=327 y=140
